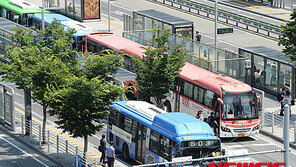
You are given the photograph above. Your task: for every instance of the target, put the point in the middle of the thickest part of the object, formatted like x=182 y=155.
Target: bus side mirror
x=223 y=152
x=220 y=100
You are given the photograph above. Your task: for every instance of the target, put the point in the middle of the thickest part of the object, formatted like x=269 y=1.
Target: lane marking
x=174 y=10
x=249 y=145
x=60 y=133
x=23 y=151
x=273 y=143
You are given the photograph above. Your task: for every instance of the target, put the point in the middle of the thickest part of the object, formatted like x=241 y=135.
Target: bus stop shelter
x=150 y=19
x=271 y=69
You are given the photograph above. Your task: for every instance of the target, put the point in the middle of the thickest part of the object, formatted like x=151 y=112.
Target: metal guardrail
x=247 y=22
x=63 y=149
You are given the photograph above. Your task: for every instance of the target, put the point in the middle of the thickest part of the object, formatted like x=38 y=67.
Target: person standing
x=197 y=36
x=111 y=155
x=283 y=93
x=287 y=100
x=102 y=149
x=213 y=122
x=199 y=115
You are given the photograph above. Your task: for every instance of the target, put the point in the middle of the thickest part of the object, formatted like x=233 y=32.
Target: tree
x=288 y=37
x=34 y=71
x=20 y=55
x=84 y=99
x=157 y=71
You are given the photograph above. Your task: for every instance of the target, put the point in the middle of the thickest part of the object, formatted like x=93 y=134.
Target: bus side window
x=134 y=130
x=120 y=118
x=112 y=117
x=154 y=142
x=188 y=89
x=201 y=95
x=128 y=124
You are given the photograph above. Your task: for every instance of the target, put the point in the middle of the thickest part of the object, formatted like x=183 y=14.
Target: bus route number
x=185 y=102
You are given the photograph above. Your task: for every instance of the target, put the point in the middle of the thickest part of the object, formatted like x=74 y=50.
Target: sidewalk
x=61 y=148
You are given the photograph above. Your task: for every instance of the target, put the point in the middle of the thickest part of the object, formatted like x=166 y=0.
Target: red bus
x=100 y=41
x=234 y=103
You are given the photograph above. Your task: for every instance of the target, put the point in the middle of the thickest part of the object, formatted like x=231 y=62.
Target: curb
x=31 y=147
x=277 y=138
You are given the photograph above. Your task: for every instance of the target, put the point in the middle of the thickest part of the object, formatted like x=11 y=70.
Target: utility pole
x=286 y=134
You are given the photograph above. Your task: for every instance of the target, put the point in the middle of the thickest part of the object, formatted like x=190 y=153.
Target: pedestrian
x=197 y=36
x=111 y=155
x=287 y=100
x=213 y=122
x=102 y=149
x=280 y=98
x=199 y=115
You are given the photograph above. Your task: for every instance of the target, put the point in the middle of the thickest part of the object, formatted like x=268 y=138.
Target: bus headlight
x=225 y=129
x=256 y=127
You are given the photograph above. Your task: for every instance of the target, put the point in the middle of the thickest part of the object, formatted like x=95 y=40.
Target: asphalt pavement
x=15 y=154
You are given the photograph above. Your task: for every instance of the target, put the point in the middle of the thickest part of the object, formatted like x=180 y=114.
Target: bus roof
x=49 y=18
x=212 y=81
x=177 y=126
x=20 y=6
x=81 y=29
x=116 y=42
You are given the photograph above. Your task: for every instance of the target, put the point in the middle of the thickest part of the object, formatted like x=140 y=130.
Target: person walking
x=197 y=36
x=283 y=93
x=111 y=155
x=199 y=115
x=287 y=100
x=102 y=149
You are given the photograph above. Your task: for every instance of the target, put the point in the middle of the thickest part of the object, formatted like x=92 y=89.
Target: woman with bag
x=102 y=149
x=287 y=100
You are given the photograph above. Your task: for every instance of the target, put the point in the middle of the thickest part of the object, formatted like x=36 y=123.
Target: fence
x=223 y=15
x=57 y=146
x=205 y=56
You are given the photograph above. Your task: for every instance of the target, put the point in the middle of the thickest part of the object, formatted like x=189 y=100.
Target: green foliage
x=158 y=70
x=84 y=100
x=288 y=37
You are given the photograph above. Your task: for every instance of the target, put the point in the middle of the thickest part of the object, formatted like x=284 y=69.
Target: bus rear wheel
x=125 y=152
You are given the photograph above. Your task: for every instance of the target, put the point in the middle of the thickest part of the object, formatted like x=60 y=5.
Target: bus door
x=141 y=142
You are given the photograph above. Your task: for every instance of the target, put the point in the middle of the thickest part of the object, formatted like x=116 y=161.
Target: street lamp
x=42 y=12
x=216 y=19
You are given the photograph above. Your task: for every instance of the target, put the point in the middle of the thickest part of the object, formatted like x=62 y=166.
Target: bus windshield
x=199 y=148
x=240 y=107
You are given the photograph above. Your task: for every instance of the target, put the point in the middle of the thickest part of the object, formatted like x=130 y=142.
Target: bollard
x=39 y=135
x=272 y=122
x=22 y=125
x=286 y=134
x=58 y=143
x=48 y=135
x=31 y=132
x=66 y=151
x=76 y=157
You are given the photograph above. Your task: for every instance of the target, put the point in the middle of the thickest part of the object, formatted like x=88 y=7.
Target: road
x=15 y=154
x=252 y=144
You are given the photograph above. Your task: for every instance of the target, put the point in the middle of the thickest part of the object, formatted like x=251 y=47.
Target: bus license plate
x=241 y=135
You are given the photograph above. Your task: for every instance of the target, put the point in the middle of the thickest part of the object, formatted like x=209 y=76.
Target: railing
x=223 y=15
x=223 y=62
x=57 y=146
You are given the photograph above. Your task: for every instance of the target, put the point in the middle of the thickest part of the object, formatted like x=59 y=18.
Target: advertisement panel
x=92 y=9
x=8 y=109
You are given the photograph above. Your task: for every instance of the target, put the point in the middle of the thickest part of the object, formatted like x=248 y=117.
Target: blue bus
x=81 y=30
x=148 y=134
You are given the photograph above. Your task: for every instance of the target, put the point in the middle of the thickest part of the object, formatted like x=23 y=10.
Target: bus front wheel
x=125 y=152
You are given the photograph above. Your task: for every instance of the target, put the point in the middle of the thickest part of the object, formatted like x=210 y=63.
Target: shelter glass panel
x=271 y=75
x=285 y=76
x=148 y=23
x=259 y=71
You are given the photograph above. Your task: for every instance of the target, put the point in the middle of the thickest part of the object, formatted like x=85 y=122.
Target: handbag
x=100 y=148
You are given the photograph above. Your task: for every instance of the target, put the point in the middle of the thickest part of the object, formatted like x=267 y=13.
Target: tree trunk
x=44 y=107
x=28 y=110
x=85 y=149
x=158 y=102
